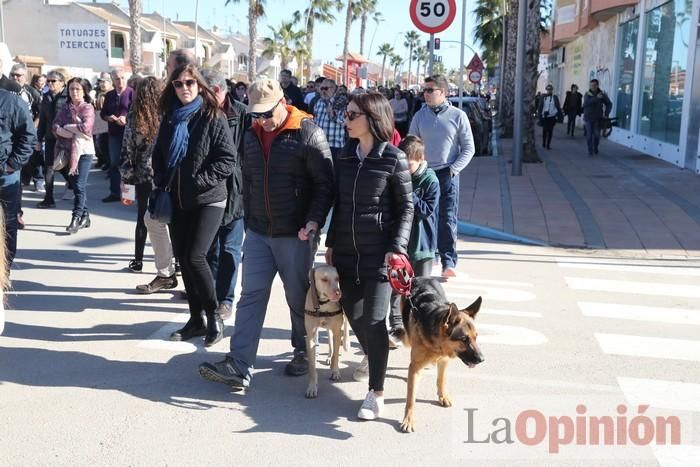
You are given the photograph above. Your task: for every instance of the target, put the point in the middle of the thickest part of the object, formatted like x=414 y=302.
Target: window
x=242 y=62
x=663 y=83
x=627 y=58
x=118 y=45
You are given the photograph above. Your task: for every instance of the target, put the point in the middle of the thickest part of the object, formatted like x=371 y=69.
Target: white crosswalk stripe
x=633 y=287
x=640 y=313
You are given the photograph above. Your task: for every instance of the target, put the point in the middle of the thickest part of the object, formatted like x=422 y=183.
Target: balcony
x=604 y=9
x=565 y=24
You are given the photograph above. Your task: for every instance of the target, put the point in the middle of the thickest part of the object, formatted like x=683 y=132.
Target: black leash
x=314 y=241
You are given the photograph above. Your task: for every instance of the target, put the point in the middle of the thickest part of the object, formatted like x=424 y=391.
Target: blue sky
x=328 y=39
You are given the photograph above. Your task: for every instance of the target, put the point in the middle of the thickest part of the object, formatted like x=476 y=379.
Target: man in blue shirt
x=449 y=146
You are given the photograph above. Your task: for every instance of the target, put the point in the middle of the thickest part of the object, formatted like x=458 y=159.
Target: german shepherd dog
x=437 y=331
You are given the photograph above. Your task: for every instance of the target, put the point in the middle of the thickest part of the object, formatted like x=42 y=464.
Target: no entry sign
x=433 y=16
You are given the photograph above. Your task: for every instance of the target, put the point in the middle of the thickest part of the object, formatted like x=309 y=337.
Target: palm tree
x=396 y=60
x=301 y=53
x=489 y=30
x=385 y=50
x=256 y=10
x=438 y=68
x=321 y=11
x=348 y=24
x=420 y=54
x=412 y=38
x=281 y=42
x=135 y=11
x=362 y=11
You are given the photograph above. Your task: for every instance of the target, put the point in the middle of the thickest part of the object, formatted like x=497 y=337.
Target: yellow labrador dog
x=329 y=316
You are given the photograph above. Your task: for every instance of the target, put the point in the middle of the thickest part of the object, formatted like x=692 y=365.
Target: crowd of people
x=231 y=177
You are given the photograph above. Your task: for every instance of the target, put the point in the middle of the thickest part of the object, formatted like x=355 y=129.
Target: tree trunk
x=309 y=46
x=418 y=71
x=383 y=63
x=348 y=23
x=363 y=29
x=135 y=55
x=508 y=91
x=410 y=61
x=253 y=37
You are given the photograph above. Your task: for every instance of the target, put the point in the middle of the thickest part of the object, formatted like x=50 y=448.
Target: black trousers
x=142 y=192
x=365 y=305
x=548 y=130
x=571 y=124
x=48 y=169
x=193 y=232
x=421 y=268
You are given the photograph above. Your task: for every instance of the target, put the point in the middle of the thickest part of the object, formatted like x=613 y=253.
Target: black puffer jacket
x=292 y=187
x=51 y=105
x=373 y=209
x=201 y=176
x=238 y=121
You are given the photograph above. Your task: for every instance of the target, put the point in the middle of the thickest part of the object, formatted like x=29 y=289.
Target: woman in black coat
x=371 y=223
x=549 y=113
x=193 y=156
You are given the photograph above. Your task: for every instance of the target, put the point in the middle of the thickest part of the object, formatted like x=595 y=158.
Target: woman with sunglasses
x=73 y=130
x=371 y=223
x=193 y=156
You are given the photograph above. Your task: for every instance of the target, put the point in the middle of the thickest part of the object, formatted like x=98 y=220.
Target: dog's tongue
x=471 y=365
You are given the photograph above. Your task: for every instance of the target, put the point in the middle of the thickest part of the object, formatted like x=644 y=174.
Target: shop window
x=663 y=83
x=627 y=58
x=118 y=45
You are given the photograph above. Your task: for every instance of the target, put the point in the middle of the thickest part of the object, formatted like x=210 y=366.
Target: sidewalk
x=619 y=200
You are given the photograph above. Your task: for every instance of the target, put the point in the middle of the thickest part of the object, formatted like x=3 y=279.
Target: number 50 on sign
x=433 y=16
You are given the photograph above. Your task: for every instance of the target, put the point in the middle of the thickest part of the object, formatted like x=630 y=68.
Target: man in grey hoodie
x=449 y=147
x=596 y=107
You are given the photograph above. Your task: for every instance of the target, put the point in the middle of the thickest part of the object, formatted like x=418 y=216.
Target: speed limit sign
x=433 y=16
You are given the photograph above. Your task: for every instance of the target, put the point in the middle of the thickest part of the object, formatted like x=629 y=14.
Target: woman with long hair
x=73 y=130
x=193 y=156
x=371 y=223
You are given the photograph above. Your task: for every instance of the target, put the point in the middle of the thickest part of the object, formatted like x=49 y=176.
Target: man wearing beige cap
x=287 y=193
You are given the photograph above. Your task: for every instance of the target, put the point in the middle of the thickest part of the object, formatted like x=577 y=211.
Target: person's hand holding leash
x=305 y=231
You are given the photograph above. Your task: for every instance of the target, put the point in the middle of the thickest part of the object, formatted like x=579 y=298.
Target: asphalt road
x=87 y=376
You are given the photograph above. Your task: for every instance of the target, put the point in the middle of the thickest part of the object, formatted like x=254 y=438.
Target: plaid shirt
x=334 y=128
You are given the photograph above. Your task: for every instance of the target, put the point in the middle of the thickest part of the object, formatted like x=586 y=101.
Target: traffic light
x=437 y=44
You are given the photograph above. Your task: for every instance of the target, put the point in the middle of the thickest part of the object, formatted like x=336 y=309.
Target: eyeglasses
x=431 y=90
x=178 y=84
x=325 y=88
x=51 y=81
x=352 y=115
x=266 y=115
x=16 y=75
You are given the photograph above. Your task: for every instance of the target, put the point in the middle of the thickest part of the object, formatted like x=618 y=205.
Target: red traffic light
x=437 y=44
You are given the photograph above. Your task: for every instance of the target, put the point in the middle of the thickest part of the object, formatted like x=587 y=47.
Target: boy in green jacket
x=423 y=242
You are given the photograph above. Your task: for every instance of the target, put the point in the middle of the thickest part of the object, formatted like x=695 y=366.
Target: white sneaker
x=361 y=373
x=371 y=407
x=39 y=186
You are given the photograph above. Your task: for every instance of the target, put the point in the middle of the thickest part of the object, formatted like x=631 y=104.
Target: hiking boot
x=159 y=283
x=298 y=366
x=224 y=372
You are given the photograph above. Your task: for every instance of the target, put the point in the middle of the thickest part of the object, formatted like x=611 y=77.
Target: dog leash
x=314 y=241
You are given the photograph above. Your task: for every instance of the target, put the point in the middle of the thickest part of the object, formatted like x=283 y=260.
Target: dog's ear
x=473 y=309
x=451 y=316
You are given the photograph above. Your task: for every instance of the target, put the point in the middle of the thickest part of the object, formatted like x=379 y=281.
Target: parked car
x=479 y=114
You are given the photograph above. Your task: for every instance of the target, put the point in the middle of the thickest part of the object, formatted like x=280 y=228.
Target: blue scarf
x=181 y=135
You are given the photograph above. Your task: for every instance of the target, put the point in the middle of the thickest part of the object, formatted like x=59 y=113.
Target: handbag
x=60 y=160
x=160 y=204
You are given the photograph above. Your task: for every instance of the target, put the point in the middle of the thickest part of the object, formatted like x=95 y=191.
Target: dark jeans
x=33 y=170
x=9 y=197
x=365 y=305
x=571 y=124
x=447 y=218
x=79 y=184
x=548 y=130
x=49 y=148
x=592 y=135
x=115 y=154
x=102 y=149
x=224 y=258
x=421 y=268
x=142 y=192
x=193 y=231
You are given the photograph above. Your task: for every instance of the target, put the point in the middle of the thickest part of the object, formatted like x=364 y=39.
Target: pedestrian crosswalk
x=621 y=295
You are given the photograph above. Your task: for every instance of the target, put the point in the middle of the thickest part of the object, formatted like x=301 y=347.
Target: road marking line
x=652 y=347
x=517 y=314
x=633 y=287
x=509 y=335
x=661 y=394
x=465 y=279
x=640 y=313
x=663 y=270
x=498 y=294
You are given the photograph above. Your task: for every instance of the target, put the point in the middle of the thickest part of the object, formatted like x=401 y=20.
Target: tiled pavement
x=619 y=200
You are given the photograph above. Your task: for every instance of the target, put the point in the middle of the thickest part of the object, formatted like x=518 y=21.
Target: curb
x=475 y=230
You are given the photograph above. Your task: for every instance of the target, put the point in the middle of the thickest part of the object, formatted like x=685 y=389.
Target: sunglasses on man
x=179 y=83
x=431 y=90
x=51 y=81
x=265 y=115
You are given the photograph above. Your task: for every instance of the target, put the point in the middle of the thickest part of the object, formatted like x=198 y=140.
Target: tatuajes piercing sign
x=83 y=45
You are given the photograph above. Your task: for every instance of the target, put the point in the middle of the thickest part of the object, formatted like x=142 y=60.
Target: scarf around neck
x=440 y=107
x=181 y=135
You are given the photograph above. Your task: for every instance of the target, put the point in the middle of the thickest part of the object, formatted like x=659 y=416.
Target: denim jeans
x=224 y=259
x=592 y=135
x=9 y=197
x=263 y=258
x=115 y=154
x=79 y=183
x=447 y=218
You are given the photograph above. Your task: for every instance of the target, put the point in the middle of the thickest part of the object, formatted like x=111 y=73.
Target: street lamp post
x=196 y=29
x=461 y=54
x=519 y=90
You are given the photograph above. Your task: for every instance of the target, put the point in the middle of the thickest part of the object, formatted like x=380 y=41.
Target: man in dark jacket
x=291 y=91
x=224 y=256
x=287 y=193
x=7 y=84
x=17 y=136
x=573 y=107
x=596 y=107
